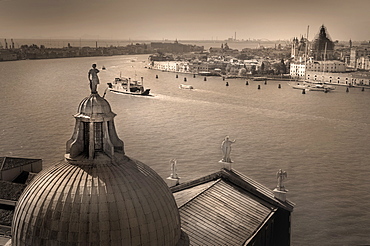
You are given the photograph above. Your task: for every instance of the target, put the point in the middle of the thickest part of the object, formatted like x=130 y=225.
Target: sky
x=183 y=19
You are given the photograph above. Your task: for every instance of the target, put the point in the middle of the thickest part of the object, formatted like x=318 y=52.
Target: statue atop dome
x=93 y=78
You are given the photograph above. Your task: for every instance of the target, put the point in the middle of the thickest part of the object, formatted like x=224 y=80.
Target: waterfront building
x=326 y=66
x=359 y=57
x=298 y=70
x=98 y=195
x=363 y=63
x=332 y=72
x=344 y=79
x=189 y=67
x=7 y=55
x=252 y=65
x=211 y=67
x=170 y=66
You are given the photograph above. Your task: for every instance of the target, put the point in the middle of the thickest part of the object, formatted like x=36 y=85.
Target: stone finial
x=174 y=179
x=280 y=191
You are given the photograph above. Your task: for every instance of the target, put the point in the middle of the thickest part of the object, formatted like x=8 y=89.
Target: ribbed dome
x=121 y=203
x=94 y=106
x=97 y=195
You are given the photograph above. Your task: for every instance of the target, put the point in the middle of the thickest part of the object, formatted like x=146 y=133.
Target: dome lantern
x=94 y=131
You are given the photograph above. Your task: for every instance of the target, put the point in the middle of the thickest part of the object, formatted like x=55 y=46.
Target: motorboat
x=184 y=86
x=300 y=86
x=320 y=86
x=128 y=86
x=312 y=86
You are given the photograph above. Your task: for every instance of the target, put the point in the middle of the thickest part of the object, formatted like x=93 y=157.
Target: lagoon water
x=320 y=139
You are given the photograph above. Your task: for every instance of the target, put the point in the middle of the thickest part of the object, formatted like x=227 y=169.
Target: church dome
x=97 y=195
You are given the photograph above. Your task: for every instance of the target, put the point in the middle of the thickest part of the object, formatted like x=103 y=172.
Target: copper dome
x=123 y=203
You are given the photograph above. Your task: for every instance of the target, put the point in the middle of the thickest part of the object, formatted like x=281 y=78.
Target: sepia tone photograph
x=182 y=123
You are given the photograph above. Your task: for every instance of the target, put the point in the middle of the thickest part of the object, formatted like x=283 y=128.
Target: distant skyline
x=183 y=20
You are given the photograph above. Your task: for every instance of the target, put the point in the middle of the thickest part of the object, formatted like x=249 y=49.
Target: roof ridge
x=196 y=182
x=244 y=182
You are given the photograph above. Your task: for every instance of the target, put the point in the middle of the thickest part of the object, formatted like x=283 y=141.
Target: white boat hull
x=126 y=86
x=313 y=87
x=182 y=86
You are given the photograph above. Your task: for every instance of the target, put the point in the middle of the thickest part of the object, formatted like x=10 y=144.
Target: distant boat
x=320 y=86
x=126 y=86
x=259 y=78
x=183 y=86
x=216 y=72
x=315 y=86
x=299 y=86
x=103 y=68
x=204 y=73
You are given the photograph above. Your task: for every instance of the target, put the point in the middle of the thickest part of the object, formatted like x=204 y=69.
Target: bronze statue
x=93 y=78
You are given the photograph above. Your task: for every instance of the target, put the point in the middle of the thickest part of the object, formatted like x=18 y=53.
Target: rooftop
x=11 y=191
x=13 y=162
x=226 y=206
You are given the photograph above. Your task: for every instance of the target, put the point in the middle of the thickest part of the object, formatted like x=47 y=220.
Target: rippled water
x=320 y=139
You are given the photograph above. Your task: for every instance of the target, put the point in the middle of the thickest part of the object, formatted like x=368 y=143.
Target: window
x=86 y=137
x=98 y=138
